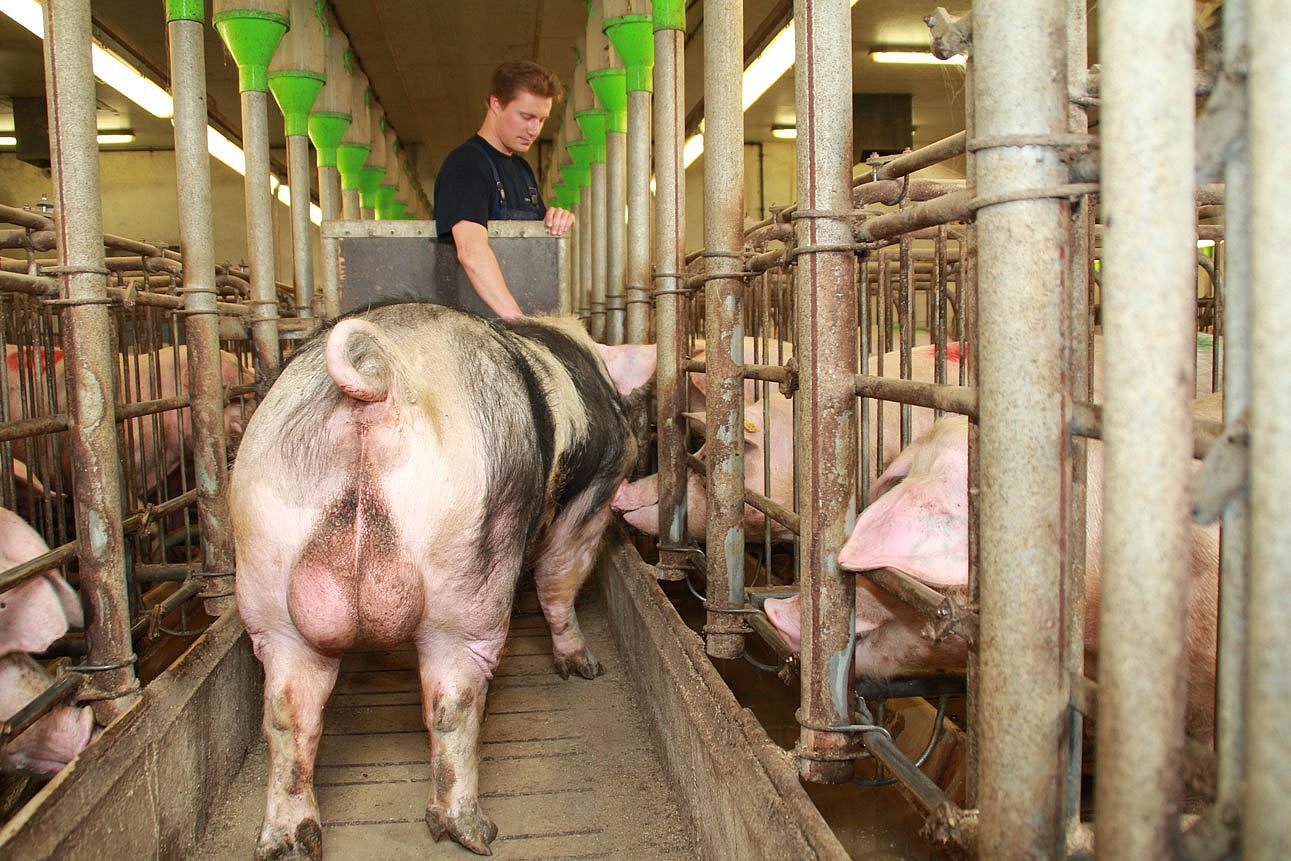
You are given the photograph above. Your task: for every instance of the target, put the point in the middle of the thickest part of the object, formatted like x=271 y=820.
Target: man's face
x=518 y=122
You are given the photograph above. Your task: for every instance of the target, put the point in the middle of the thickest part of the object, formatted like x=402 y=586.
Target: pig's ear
x=895 y=473
x=69 y=600
x=631 y=366
x=698 y=398
x=698 y=419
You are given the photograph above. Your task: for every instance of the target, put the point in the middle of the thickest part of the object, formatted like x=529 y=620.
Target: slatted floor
x=566 y=768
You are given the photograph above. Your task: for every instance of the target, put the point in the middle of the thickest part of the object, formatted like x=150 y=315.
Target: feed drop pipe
x=296 y=76
x=328 y=123
x=1019 y=95
x=593 y=124
x=724 y=323
x=252 y=29
x=671 y=311
x=632 y=39
x=609 y=86
x=825 y=302
x=186 y=24
x=355 y=143
x=1267 y=817
x=1148 y=333
x=78 y=226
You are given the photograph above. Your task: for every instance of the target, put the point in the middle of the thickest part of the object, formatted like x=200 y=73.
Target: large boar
x=403 y=469
x=32 y=616
x=918 y=524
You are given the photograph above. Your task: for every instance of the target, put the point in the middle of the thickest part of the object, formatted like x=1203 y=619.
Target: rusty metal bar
x=908 y=163
x=826 y=354
x=1148 y=324
x=1267 y=821
x=638 y=265
x=64 y=688
x=90 y=366
x=201 y=323
x=1018 y=90
x=724 y=323
x=956 y=399
x=615 y=228
x=671 y=318
x=259 y=214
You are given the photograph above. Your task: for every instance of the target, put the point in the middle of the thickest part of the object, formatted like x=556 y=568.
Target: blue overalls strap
x=498 y=209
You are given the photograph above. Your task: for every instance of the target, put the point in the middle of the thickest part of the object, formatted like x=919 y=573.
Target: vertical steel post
x=724 y=321
x=1148 y=325
x=638 y=266
x=1230 y=717
x=186 y=27
x=78 y=225
x=669 y=263
x=302 y=257
x=1267 y=819
x=1020 y=94
x=616 y=228
x=600 y=248
x=329 y=198
x=826 y=415
x=587 y=229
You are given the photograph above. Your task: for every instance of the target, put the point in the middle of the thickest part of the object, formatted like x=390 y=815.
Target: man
x=487 y=179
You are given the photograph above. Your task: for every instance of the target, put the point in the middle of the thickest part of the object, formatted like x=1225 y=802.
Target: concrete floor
x=566 y=768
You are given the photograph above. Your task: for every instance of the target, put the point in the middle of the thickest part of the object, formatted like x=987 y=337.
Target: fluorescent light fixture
x=913 y=56
x=117 y=73
x=1201 y=243
x=766 y=68
x=8 y=140
x=785 y=133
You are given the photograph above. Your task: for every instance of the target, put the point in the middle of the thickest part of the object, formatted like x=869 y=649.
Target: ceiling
x=429 y=64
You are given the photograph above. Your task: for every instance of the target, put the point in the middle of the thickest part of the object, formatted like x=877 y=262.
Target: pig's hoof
x=305 y=843
x=471 y=828
x=584 y=663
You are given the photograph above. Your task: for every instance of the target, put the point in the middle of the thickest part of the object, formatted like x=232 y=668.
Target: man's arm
x=481 y=266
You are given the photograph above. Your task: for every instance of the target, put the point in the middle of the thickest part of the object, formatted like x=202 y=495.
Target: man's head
x=520 y=98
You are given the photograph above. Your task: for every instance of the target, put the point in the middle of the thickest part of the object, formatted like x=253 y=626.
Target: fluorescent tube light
x=766 y=68
x=914 y=57
x=785 y=133
x=8 y=140
x=103 y=138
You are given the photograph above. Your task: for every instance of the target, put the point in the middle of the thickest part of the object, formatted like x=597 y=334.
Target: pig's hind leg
x=558 y=574
x=454 y=685
x=298 y=681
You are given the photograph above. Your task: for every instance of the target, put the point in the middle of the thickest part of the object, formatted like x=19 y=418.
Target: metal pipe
x=955 y=399
x=588 y=229
x=826 y=416
x=1231 y=669
x=259 y=209
x=926 y=156
x=638 y=191
x=1148 y=209
x=1267 y=817
x=302 y=257
x=90 y=366
x=1019 y=89
x=599 y=236
x=724 y=324
x=329 y=191
x=669 y=250
x=201 y=320
x=616 y=144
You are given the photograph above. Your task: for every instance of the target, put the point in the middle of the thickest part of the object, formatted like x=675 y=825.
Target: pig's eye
x=3 y=605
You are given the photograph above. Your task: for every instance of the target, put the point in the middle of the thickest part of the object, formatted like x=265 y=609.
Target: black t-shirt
x=467 y=188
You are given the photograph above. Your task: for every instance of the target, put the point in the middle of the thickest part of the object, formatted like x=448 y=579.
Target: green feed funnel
x=186 y=10
x=326 y=128
x=592 y=122
x=669 y=15
x=350 y=159
x=295 y=92
x=369 y=183
x=251 y=36
x=633 y=38
x=610 y=86
x=385 y=201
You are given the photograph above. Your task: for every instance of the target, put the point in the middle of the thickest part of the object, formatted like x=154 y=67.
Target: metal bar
x=615 y=228
x=260 y=251
x=1231 y=669
x=724 y=324
x=44 y=702
x=826 y=414
x=599 y=236
x=179 y=596
x=201 y=325
x=25 y=428
x=916 y=160
x=1267 y=817
x=90 y=367
x=329 y=194
x=638 y=266
x=955 y=399
x=21 y=573
x=302 y=257
x=1148 y=325
x=1019 y=89
x=671 y=318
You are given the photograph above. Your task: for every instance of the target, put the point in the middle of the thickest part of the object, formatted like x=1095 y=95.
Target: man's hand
x=558 y=220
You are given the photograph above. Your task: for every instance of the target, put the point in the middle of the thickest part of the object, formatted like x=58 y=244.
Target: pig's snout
x=783 y=613
x=53 y=741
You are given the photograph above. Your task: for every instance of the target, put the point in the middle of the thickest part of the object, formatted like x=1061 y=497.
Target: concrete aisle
x=566 y=768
